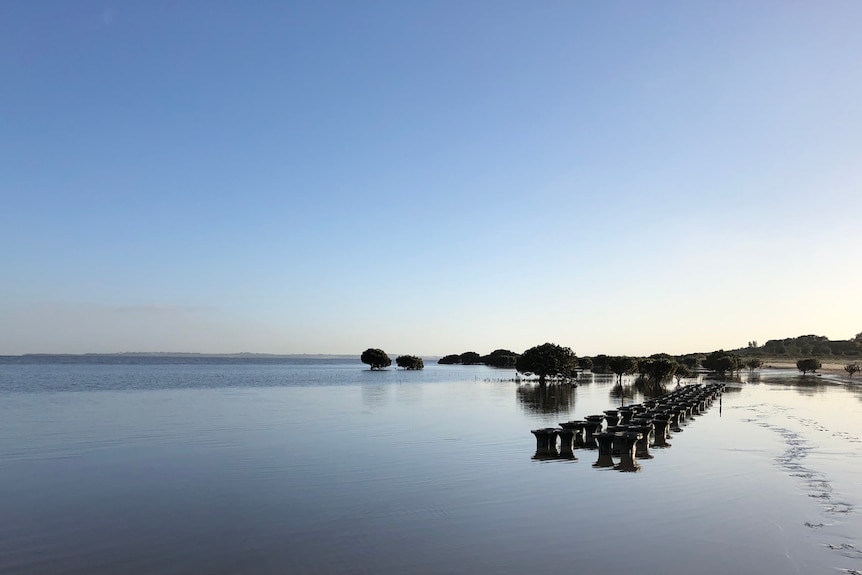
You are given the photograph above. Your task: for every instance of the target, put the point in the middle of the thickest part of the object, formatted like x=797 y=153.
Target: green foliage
x=812 y=345
x=585 y=363
x=548 y=359
x=643 y=366
x=660 y=368
x=753 y=363
x=503 y=358
x=690 y=361
x=811 y=364
x=497 y=358
x=409 y=362
x=852 y=368
x=376 y=358
x=600 y=364
x=721 y=362
x=449 y=359
x=622 y=365
x=500 y=358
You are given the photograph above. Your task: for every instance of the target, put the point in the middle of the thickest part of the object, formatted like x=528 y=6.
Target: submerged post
x=627 y=441
x=546 y=442
x=566 y=440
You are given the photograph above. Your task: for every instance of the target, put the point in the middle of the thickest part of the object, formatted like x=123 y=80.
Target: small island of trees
x=502 y=358
x=376 y=358
x=548 y=360
x=811 y=364
x=409 y=362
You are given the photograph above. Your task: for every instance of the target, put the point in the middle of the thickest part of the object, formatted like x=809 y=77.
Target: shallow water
x=324 y=467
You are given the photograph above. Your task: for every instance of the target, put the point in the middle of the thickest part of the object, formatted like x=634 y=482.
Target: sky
x=428 y=177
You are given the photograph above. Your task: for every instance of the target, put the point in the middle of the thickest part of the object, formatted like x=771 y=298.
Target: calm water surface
x=204 y=466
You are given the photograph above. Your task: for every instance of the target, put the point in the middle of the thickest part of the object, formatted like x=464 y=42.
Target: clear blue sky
x=428 y=177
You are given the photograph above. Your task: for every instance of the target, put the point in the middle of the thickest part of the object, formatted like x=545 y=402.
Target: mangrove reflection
x=623 y=393
x=639 y=387
x=546 y=398
x=807 y=384
x=650 y=388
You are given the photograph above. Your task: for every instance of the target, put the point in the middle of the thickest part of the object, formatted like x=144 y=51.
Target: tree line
x=497 y=358
x=551 y=361
x=806 y=346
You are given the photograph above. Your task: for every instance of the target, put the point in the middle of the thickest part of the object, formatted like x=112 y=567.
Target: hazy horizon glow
x=620 y=178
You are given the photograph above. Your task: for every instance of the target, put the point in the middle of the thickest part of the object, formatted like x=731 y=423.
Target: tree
x=738 y=364
x=660 y=368
x=548 y=359
x=600 y=363
x=690 y=361
x=376 y=358
x=720 y=362
x=449 y=359
x=852 y=368
x=753 y=363
x=811 y=364
x=682 y=371
x=410 y=362
x=470 y=358
x=643 y=366
x=621 y=366
x=585 y=363
x=500 y=358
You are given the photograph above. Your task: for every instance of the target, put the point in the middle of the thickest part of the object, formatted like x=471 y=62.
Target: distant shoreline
x=829 y=367
x=187 y=355
x=193 y=354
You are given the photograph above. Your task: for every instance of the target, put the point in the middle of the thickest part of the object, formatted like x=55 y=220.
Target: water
x=320 y=466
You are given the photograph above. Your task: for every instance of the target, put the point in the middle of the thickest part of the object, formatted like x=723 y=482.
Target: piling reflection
x=627 y=433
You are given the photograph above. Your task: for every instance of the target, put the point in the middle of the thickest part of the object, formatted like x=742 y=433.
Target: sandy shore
x=835 y=369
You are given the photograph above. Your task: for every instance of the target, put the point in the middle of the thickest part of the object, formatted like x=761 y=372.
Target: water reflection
x=408 y=394
x=808 y=385
x=374 y=396
x=623 y=393
x=650 y=388
x=855 y=389
x=638 y=388
x=546 y=398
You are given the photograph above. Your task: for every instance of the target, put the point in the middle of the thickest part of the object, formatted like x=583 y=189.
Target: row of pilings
x=628 y=432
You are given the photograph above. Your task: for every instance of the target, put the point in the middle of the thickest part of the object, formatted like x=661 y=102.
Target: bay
x=202 y=465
